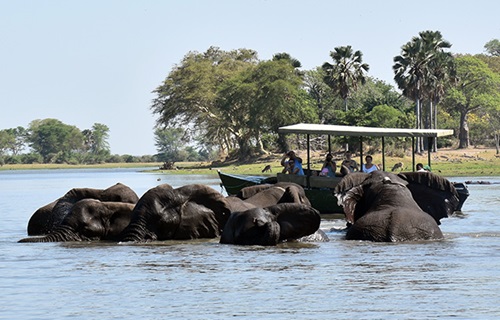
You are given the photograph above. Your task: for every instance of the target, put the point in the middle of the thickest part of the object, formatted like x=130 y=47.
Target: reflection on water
x=455 y=278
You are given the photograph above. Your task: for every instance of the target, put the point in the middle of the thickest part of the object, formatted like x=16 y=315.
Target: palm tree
x=441 y=73
x=346 y=72
x=416 y=68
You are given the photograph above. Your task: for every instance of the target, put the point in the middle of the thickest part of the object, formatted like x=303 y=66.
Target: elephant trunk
x=60 y=234
x=136 y=231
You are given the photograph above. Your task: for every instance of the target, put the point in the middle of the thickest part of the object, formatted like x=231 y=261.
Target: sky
x=98 y=61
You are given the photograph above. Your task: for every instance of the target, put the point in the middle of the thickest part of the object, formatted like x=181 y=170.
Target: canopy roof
x=335 y=130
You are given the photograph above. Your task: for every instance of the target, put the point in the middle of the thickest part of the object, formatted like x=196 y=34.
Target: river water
x=457 y=278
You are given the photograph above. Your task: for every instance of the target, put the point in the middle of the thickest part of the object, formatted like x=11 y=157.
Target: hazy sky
x=86 y=62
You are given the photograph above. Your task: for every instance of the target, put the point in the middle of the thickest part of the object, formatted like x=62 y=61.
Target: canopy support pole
x=360 y=153
x=413 y=153
x=430 y=142
x=383 y=153
x=308 y=176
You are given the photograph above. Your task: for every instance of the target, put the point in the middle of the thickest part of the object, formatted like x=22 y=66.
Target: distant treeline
x=51 y=141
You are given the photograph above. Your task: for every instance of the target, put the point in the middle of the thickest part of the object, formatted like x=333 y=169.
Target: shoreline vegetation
x=446 y=162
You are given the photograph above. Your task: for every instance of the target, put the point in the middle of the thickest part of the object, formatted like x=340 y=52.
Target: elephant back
x=249 y=192
x=434 y=194
x=119 y=193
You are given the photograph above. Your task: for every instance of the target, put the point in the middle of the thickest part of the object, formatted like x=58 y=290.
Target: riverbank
x=447 y=162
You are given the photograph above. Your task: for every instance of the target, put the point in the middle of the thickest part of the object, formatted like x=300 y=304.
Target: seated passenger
x=349 y=163
x=329 y=166
x=292 y=168
x=297 y=163
x=369 y=166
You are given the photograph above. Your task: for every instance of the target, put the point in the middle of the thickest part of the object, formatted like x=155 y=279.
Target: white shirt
x=372 y=168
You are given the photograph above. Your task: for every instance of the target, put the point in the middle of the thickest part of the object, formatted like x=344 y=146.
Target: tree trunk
x=283 y=143
x=463 y=134
x=244 y=150
x=418 y=147
x=497 y=141
x=260 y=146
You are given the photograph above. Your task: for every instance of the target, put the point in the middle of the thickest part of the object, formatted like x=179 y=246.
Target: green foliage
x=54 y=140
x=477 y=89
x=493 y=47
x=12 y=140
x=346 y=72
x=230 y=98
x=169 y=143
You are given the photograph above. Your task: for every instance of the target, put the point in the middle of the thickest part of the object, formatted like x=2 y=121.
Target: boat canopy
x=354 y=131
x=336 y=130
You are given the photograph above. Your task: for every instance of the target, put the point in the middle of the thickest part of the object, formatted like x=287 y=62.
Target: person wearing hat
x=293 y=165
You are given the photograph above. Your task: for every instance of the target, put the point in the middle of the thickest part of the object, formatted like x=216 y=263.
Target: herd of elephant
x=379 y=206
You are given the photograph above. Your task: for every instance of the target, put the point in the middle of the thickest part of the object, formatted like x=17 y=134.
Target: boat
x=233 y=183
x=319 y=189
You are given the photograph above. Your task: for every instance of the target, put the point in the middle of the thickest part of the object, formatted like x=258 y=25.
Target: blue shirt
x=297 y=164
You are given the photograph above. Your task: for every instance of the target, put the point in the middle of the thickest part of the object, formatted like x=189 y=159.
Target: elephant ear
x=434 y=194
x=296 y=220
x=349 y=192
x=294 y=194
x=38 y=223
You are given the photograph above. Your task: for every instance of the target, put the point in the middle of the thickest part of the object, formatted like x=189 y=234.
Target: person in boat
x=290 y=155
x=291 y=168
x=350 y=163
x=329 y=167
x=368 y=166
x=293 y=165
x=420 y=167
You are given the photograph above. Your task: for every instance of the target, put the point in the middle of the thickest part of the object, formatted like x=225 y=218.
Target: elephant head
x=381 y=206
x=51 y=215
x=90 y=219
x=271 y=225
x=189 y=212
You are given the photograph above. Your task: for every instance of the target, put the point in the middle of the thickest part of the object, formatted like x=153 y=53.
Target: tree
x=477 y=88
x=12 y=140
x=188 y=96
x=493 y=47
x=54 y=140
x=231 y=98
x=346 y=72
x=324 y=98
x=169 y=142
x=419 y=67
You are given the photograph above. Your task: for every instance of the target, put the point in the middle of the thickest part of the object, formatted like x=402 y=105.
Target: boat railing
x=314 y=181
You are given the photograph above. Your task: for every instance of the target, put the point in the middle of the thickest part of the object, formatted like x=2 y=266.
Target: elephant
x=90 y=219
x=385 y=207
x=272 y=225
x=51 y=215
x=189 y=212
x=266 y=195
